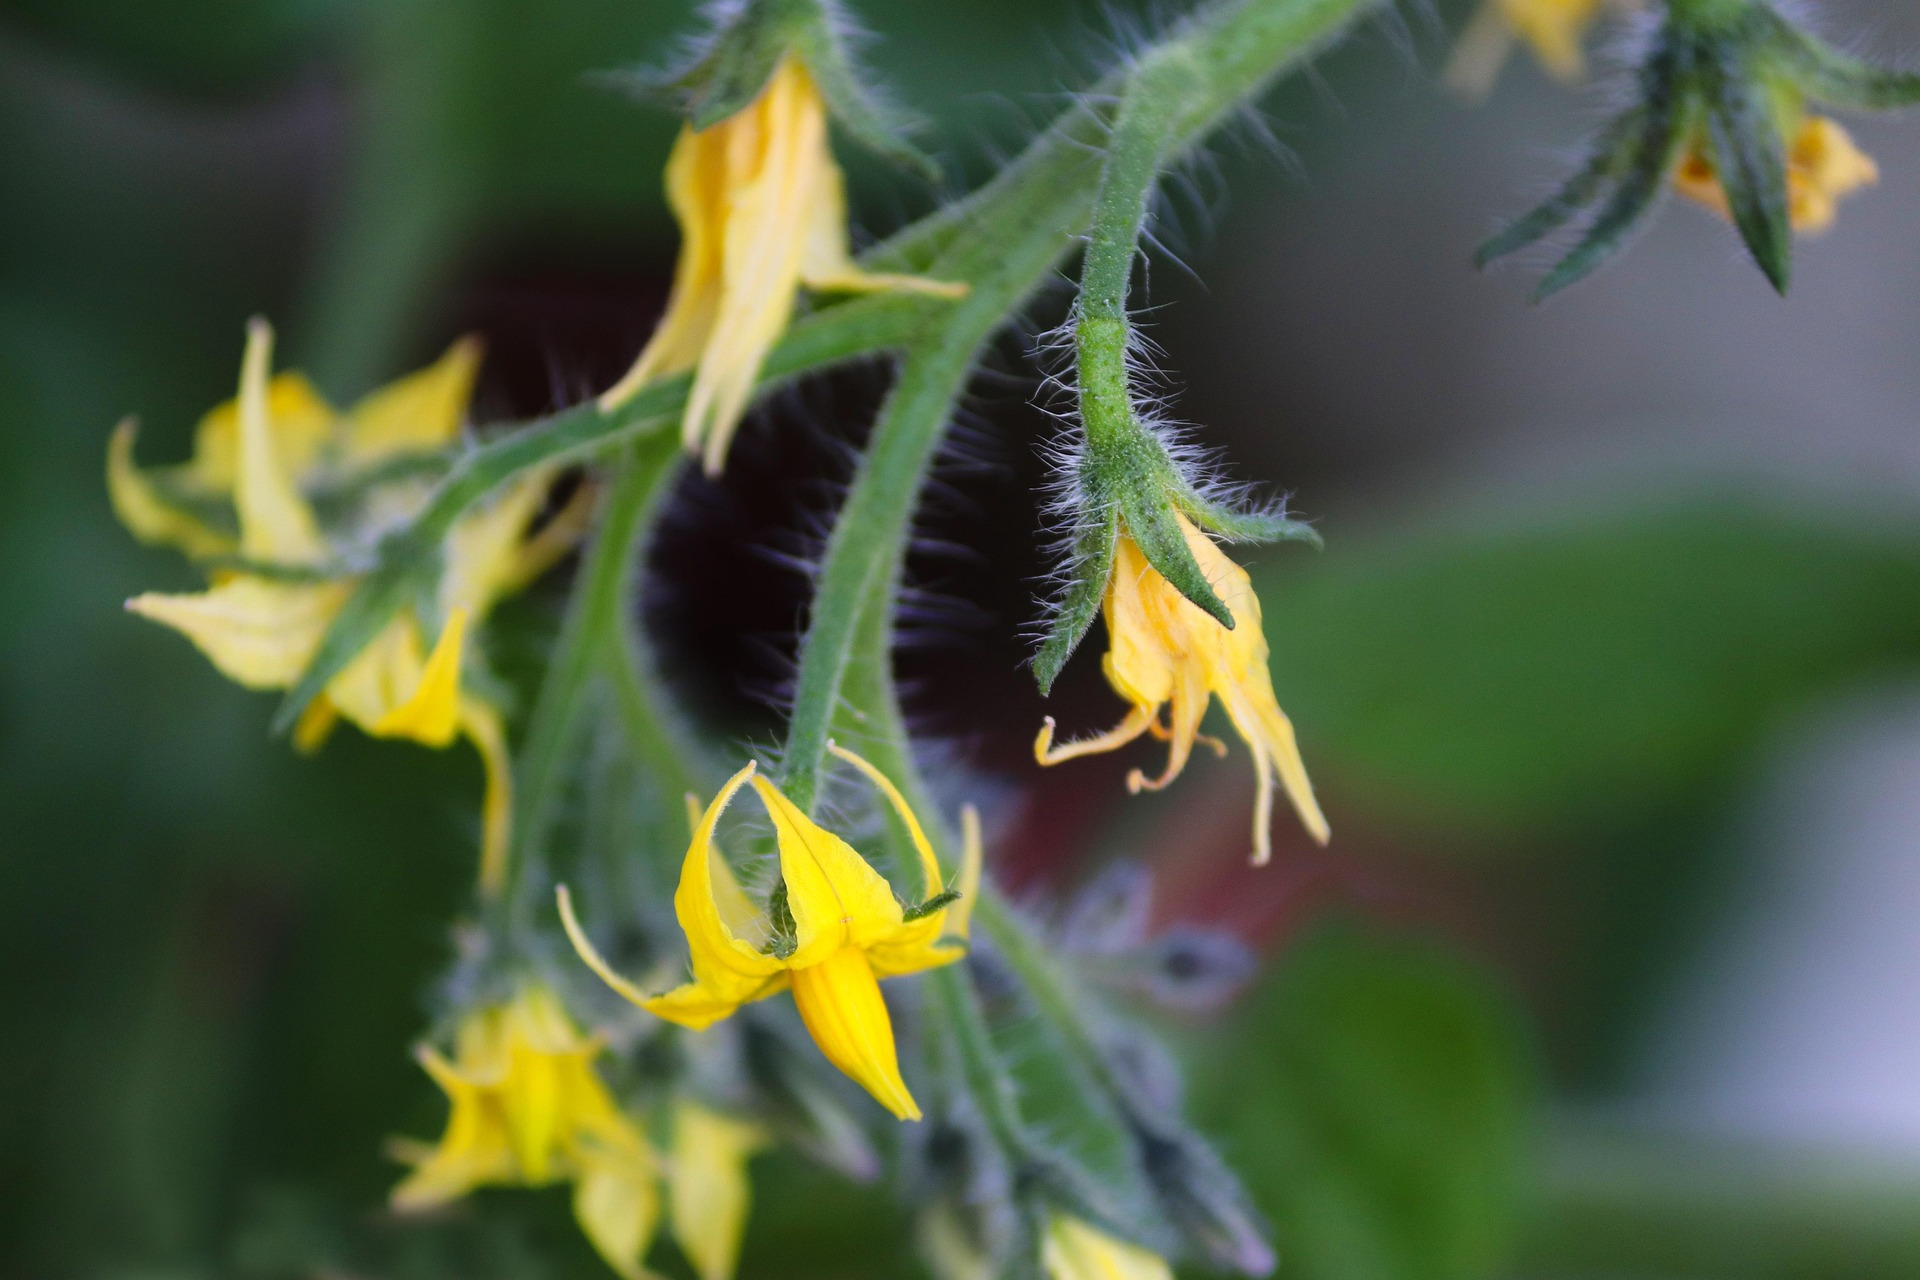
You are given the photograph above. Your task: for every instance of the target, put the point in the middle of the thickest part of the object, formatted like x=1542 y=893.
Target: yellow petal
x=419 y=413
x=616 y=1201
x=259 y=633
x=472 y=1152
x=432 y=714
x=728 y=970
x=960 y=915
x=481 y=723
x=315 y=725
x=825 y=262
x=707 y=1186
x=932 y=881
x=146 y=514
x=276 y=525
x=303 y=424
x=839 y=1000
x=696 y=192
x=1554 y=29
x=484 y=551
x=837 y=899
x=382 y=676
x=1077 y=1250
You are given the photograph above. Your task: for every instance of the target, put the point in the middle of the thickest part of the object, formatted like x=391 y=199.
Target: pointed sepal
x=730 y=67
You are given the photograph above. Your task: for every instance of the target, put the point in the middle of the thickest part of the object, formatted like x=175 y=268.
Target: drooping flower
x=1074 y=1249
x=1553 y=29
x=762 y=209
x=831 y=929
x=1164 y=651
x=1823 y=168
x=708 y=1192
x=277 y=577
x=528 y=1109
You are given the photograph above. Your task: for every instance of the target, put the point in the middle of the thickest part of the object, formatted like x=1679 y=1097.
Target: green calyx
x=733 y=65
x=1729 y=76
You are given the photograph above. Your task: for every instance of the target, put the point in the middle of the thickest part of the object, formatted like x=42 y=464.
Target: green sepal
x=1150 y=523
x=1835 y=79
x=1750 y=162
x=1093 y=547
x=734 y=65
x=1247 y=526
x=938 y=902
x=785 y=939
x=1669 y=106
x=879 y=128
x=1612 y=157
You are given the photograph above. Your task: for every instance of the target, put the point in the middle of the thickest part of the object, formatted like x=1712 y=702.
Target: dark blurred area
x=1610 y=672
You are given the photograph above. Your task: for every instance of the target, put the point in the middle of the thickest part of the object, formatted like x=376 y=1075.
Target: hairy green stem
x=595 y=630
x=1005 y=240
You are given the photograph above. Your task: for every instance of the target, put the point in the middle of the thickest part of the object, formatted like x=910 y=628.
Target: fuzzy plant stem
x=593 y=637
x=1005 y=241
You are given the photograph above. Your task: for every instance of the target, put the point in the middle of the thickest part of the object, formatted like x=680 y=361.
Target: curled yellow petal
x=837 y=898
x=728 y=968
x=932 y=881
x=960 y=915
x=761 y=208
x=147 y=515
x=1164 y=651
x=708 y=1191
x=276 y=525
x=315 y=725
x=1077 y=1250
x=431 y=715
x=839 y=999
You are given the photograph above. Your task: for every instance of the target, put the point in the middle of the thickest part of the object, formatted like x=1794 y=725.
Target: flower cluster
x=353 y=557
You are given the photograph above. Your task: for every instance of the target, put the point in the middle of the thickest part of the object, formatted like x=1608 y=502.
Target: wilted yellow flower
x=1553 y=29
x=708 y=1193
x=261 y=621
x=831 y=930
x=1077 y=1250
x=1823 y=167
x=528 y=1109
x=762 y=210
x=1164 y=651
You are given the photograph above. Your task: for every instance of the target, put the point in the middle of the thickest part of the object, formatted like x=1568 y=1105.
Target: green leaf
x=1591 y=670
x=1378 y=1097
x=1612 y=157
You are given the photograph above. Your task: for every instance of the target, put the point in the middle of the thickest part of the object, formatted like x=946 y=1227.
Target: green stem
x=1142 y=133
x=1005 y=240
x=595 y=626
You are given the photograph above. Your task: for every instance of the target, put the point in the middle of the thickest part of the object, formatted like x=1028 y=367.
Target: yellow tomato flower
x=1823 y=167
x=1077 y=1250
x=1553 y=29
x=528 y=1109
x=830 y=932
x=1164 y=651
x=261 y=623
x=708 y=1193
x=762 y=210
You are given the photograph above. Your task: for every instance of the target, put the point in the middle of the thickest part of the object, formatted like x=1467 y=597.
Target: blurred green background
x=1608 y=672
